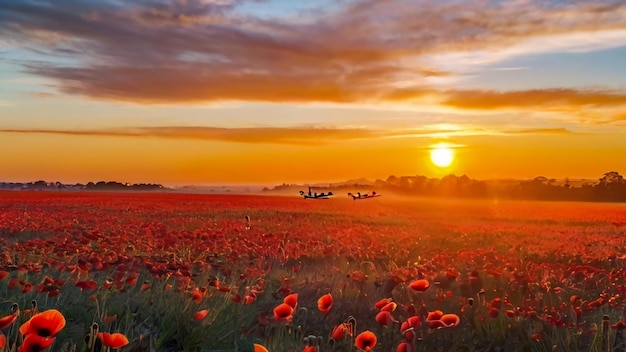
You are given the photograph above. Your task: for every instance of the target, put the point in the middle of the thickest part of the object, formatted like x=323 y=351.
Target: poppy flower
x=389 y=307
x=259 y=348
x=325 y=303
x=383 y=302
x=5 y=322
x=365 y=341
x=433 y=319
x=87 y=285
x=404 y=347
x=3 y=340
x=537 y=337
x=409 y=325
x=108 y=319
x=450 y=320
x=420 y=285
x=493 y=312
x=340 y=331
x=291 y=300
x=620 y=325
x=384 y=317
x=201 y=314
x=34 y=342
x=283 y=312
x=45 y=324
x=310 y=349
x=115 y=340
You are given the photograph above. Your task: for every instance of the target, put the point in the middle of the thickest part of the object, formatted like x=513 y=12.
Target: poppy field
x=83 y=271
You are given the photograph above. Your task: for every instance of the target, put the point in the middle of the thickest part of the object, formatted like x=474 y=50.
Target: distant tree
x=611 y=178
x=611 y=187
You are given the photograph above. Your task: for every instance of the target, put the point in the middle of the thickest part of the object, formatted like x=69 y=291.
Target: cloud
x=261 y=135
x=203 y=51
x=541 y=131
x=535 y=99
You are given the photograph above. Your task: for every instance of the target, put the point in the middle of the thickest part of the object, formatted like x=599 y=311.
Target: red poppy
x=450 y=320
x=389 y=307
x=365 y=341
x=404 y=347
x=201 y=314
x=383 y=302
x=420 y=285
x=108 y=319
x=291 y=300
x=3 y=340
x=384 y=317
x=409 y=325
x=325 y=303
x=115 y=340
x=259 y=348
x=493 y=312
x=196 y=295
x=283 y=312
x=537 y=337
x=34 y=342
x=44 y=324
x=5 y=322
x=310 y=349
x=340 y=331
x=496 y=303
x=3 y=274
x=433 y=319
x=87 y=285
x=619 y=325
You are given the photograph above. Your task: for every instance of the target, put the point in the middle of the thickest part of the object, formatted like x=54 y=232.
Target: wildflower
x=45 y=324
x=283 y=312
x=115 y=340
x=259 y=348
x=34 y=342
x=383 y=302
x=5 y=322
x=108 y=319
x=493 y=312
x=365 y=341
x=404 y=347
x=384 y=317
x=325 y=303
x=340 y=331
x=433 y=319
x=420 y=285
x=201 y=314
x=450 y=320
x=409 y=325
x=87 y=285
x=291 y=300
x=389 y=307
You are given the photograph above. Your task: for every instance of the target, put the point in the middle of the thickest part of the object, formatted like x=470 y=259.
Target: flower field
x=180 y=272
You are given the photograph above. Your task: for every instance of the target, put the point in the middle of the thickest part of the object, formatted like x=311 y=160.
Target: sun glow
x=441 y=155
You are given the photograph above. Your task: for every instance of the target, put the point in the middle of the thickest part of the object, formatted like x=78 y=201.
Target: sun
x=441 y=155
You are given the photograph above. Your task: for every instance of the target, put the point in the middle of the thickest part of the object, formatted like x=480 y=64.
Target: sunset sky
x=261 y=92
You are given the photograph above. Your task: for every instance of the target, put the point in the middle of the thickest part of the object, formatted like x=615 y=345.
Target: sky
x=207 y=92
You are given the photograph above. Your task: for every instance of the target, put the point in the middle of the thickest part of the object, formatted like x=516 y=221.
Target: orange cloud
x=268 y=135
x=199 y=51
x=541 y=131
x=556 y=99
